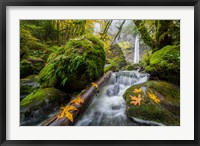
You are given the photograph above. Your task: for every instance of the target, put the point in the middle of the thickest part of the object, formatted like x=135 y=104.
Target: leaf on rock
x=153 y=97
x=135 y=100
x=137 y=90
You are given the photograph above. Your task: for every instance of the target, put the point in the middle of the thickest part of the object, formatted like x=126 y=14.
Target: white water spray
x=137 y=50
x=109 y=107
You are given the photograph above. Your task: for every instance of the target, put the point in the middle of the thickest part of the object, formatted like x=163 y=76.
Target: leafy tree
x=159 y=33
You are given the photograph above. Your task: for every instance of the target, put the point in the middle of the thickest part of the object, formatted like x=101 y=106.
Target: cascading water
x=108 y=108
x=137 y=50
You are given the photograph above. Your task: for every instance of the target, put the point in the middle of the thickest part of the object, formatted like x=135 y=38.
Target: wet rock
x=40 y=103
x=160 y=103
x=28 y=85
x=113 y=90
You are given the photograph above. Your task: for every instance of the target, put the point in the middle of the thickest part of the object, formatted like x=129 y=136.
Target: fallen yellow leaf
x=137 y=90
x=65 y=111
x=94 y=85
x=78 y=100
x=153 y=97
x=69 y=116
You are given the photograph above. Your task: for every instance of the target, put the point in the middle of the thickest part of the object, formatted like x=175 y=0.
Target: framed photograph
x=99 y=72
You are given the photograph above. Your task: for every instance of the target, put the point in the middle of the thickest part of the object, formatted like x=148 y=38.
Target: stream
x=108 y=107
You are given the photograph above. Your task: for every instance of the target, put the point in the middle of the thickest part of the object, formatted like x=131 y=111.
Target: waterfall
x=137 y=49
x=109 y=107
x=97 y=28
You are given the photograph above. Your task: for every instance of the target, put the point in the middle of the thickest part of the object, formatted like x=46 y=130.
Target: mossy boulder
x=165 y=64
x=40 y=103
x=30 y=65
x=115 y=59
x=74 y=66
x=132 y=67
x=160 y=102
x=116 y=64
x=28 y=85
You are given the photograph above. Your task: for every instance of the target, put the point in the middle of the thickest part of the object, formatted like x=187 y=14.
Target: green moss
x=110 y=67
x=30 y=65
x=125 y=45
x=116 y=63
x=165 y=64
x=30 y=45
x=115 y=57
x=25 y=90
x=37 y=98
x=80 y=62
x=26 y=68
x=28 y=85
x=132 y=67
x=41 y=103
x=166 y=112
x=145 y=61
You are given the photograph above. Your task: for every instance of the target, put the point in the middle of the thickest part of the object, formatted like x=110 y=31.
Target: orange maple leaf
x=135 y=100
x=78 y=100
x=65 y=111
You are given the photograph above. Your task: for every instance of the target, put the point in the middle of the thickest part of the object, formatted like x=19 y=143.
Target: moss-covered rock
x=132 y=67
x=74 y=66
x=160 y=102
x=165 y=64
x=115 y=58
x=30 y=44
x=40 y=103
x=30 y=65
x=28 y=85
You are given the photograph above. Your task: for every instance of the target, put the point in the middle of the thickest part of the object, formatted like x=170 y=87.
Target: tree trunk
x=87 y=96
x=118 y=33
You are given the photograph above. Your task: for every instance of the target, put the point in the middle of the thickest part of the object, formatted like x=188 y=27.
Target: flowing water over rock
x=108 y=108
x=137 y=47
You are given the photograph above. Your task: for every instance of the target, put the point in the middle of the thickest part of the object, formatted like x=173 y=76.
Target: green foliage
x=30 y=65
x=166 y=112
x=165 y=64
x=159 y=33
x=116 y=58
x=80 y=62
x=145 y=61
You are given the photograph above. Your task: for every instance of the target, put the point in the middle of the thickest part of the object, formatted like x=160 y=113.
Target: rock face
x=121 y=56
x=160 y=103
x=73 y=67
x=165 y=64
x=128 y=51
x=115 y=59
x=40 y=103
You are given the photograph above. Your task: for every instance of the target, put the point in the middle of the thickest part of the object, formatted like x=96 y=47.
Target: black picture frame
x=5 y=3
